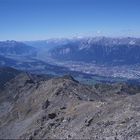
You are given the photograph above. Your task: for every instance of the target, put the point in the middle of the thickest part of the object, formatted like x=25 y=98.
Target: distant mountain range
x=91 y=59
x=100 y=50
x=16 y=48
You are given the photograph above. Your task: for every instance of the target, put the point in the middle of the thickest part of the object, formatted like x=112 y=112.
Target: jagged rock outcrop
x=32 y=108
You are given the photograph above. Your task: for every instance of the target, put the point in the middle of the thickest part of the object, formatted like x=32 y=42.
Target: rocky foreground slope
x=63 y=108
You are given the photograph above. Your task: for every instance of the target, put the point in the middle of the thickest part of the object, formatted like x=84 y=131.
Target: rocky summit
x=32 y=107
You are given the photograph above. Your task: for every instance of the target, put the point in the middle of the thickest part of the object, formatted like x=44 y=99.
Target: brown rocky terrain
x=37 y=108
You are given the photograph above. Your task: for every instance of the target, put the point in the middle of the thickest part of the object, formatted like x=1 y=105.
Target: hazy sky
x=41 y=19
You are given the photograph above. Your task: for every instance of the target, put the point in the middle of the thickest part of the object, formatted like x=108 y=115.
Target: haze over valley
x=92 y=58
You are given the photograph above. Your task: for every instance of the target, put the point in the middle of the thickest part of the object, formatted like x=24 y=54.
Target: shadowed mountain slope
x=35 y=108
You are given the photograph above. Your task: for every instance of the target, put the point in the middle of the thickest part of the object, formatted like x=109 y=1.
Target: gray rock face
x=32 y=108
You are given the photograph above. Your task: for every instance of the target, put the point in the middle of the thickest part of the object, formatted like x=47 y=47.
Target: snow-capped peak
x=132 y=42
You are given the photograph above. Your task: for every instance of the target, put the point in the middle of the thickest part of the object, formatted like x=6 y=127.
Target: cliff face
x=36 y=108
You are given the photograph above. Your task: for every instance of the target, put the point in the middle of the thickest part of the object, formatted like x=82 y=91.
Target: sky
x=42 y=19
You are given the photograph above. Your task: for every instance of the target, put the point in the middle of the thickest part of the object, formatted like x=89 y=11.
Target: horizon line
x=72 y=37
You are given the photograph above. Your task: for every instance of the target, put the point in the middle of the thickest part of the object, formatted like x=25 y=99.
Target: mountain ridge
x=61 y=107
x=11 y=47
x=103 y=50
